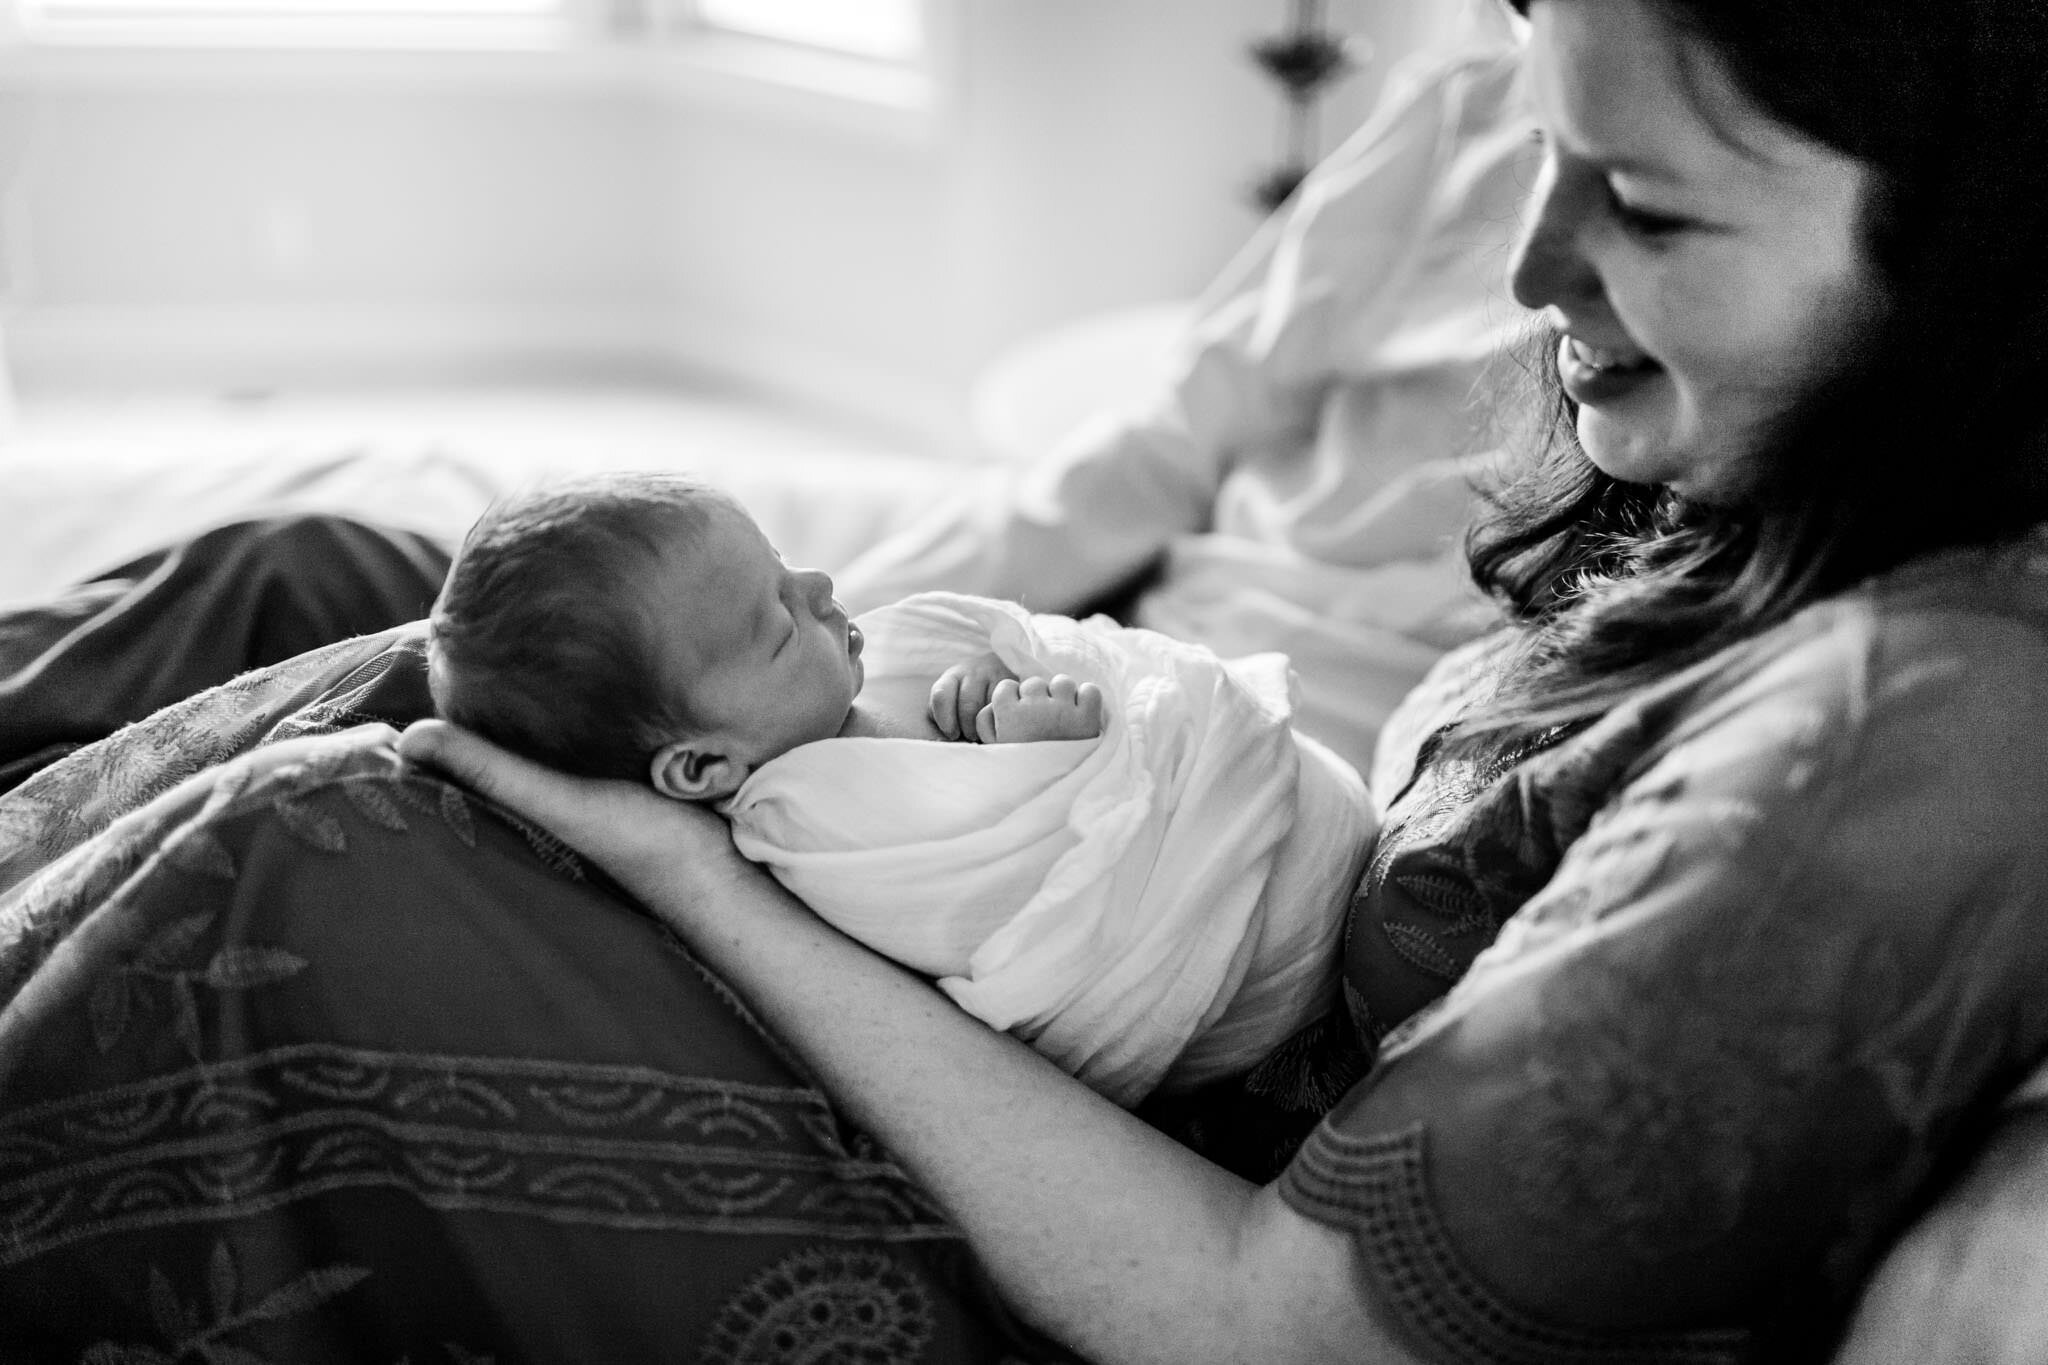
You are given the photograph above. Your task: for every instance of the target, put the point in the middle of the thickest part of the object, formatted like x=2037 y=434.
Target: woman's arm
x=1101 y=1232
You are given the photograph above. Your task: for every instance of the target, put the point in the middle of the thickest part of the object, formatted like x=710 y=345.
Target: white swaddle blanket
x=1163 y=903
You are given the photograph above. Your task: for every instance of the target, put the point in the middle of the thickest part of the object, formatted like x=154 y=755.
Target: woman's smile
x=1593 y=375
x=1699 y=259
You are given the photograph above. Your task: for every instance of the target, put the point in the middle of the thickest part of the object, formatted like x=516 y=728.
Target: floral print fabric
x=312 y=1057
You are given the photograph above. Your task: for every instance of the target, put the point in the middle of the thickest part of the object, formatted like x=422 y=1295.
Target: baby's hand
x=963 y=691
x=1040 y=708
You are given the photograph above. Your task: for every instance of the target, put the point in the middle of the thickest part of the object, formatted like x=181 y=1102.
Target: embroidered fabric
x=824 y=1304
x=1767 y=959
x=1416 y=1266
x=315 y=1057
x=82 y=794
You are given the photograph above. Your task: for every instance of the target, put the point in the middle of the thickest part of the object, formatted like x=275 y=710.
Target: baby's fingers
x=1004 y=693
x=1088 y=700
x=945 y=702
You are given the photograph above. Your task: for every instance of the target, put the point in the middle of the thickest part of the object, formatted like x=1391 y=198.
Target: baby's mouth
x=855 y=641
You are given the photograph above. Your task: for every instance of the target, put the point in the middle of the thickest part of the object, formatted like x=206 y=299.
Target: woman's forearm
x=1100 y=1231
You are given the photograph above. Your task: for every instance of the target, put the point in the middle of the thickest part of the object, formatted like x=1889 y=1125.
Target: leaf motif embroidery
x=180 y=1326
x=244 y=965
x=308 y=1291
x=455 y=811
x=374 y=804
x=1445 y=894
x=114 y=1353
x=173 y=1319
x=221 y=1281
x=227 y=1353
x=185 y=1015
x=558 y=856
x=1420 y=948
x=410 y=794
x=199 y=851
x=310 y=825
x=109 y=1006
x=234 y=779
x=174 y=940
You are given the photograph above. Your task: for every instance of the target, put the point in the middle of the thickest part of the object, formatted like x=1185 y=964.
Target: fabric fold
x=1160 y=904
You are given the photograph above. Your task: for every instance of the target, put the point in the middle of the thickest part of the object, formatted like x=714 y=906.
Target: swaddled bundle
x=1160 y=904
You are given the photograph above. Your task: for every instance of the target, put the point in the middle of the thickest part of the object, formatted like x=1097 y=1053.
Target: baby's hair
x=544 y=638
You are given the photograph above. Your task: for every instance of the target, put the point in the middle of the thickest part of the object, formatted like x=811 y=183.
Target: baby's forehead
x=711 y=560
x=708 y=532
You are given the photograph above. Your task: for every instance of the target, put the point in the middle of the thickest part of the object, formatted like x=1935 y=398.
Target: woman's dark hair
x=545 y=637
x=1935 y=436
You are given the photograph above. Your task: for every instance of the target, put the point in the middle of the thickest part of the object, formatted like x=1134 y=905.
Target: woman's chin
x=1660 y=459
x=1623 y=451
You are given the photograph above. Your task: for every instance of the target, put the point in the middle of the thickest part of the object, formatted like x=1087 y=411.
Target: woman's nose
x=1549 y=268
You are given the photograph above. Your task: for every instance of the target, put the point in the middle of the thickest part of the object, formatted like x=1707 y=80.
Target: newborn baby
x=1107 y=842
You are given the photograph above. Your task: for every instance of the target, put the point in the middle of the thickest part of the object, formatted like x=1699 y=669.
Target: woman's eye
x=1645 y=222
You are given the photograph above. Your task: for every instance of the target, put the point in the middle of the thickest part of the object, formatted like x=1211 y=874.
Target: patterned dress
x=1675 y=1019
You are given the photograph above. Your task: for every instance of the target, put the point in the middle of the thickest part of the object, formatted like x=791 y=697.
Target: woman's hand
x=1099 y=1230
x=640 y=837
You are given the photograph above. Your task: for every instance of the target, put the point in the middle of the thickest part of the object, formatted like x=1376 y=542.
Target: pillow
x=1968 y=1283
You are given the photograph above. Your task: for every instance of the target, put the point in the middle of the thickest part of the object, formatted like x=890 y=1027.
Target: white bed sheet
x=71 y=507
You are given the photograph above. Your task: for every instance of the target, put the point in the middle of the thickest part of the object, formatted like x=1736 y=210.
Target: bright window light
x=292 y=21
x=885 y=30
x=278 y=9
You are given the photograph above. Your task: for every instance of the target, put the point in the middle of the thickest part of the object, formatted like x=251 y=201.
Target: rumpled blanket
x=1161 y=905
x=308 y=1055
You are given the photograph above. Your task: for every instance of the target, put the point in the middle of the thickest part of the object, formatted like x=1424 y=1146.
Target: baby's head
x=639 y=626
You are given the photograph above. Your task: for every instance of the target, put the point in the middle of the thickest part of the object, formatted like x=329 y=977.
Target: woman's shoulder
x=1952 y=649
x=1986 y=606
x=1785 y=913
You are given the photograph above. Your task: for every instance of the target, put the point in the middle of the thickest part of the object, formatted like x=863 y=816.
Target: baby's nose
x=818 y=588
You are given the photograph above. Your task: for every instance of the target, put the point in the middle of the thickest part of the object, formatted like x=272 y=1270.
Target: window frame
x=899 y=99
x=650 y=48
x=694 y=13
x=384 y=25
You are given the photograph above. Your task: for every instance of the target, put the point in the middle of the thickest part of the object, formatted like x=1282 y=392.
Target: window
x=882 y=30
x=309 y=23
x=881 y=56
x=879 y=64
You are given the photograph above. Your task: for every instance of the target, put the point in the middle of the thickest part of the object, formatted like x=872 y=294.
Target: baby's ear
x=688 y=772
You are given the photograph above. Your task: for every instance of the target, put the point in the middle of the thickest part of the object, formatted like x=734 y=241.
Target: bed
x=80 y=499
x=309 y=1056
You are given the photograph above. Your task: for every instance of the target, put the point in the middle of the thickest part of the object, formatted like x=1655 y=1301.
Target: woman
x=1743 y=809
x=1758 y=832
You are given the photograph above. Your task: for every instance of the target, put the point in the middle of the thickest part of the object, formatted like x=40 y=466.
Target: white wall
x=265 y=235
x=217 y=225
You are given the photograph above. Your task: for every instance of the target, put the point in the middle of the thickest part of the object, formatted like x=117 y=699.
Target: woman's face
x=1705 y=264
